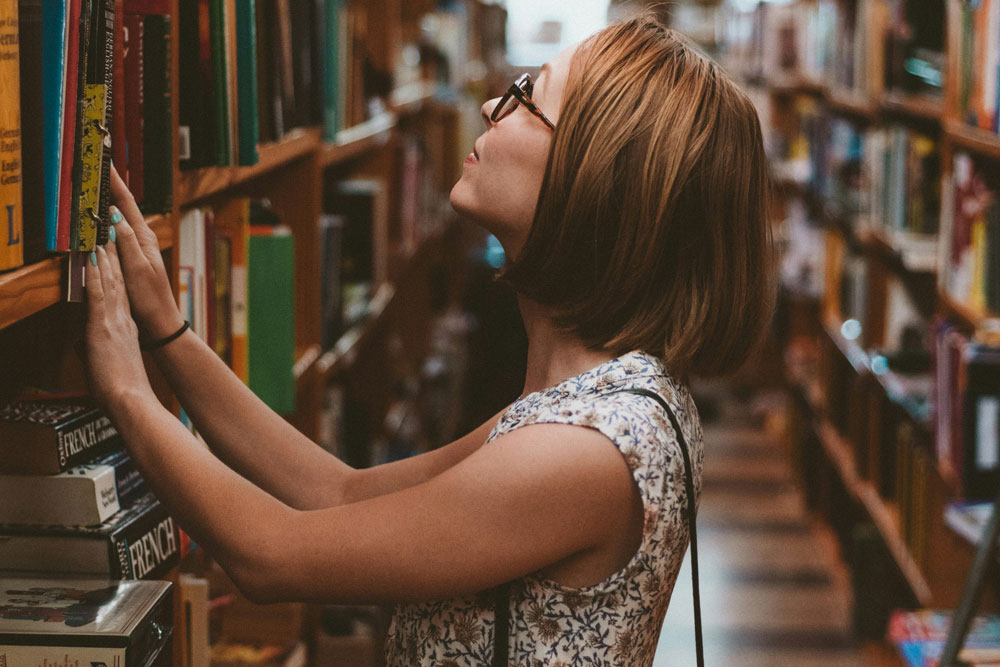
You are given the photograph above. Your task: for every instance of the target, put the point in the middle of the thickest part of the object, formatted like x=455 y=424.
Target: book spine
x=158 y=130
x=95 y=132
x=32 y=130
x=68 y=141
x=109 y=28
x=331 y=71
x=83 y=99
x=119 y=132
x=246 y=78
x=82 y=496
x=220 y=80
x=54 y=35
x=81 y=440
x=134 y=104
x=148 y=547
x=11 y=245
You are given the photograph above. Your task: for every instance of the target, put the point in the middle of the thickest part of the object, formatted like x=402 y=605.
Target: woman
x=629 y=185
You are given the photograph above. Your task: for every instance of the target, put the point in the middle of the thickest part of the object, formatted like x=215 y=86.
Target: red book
x=69 y=125
x=147 y=6
x=119 y=139
x=135 y=103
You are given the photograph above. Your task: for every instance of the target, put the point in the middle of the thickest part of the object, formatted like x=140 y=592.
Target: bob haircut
x=651 y=230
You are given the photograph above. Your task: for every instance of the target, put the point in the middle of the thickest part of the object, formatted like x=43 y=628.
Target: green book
x=220 y=75
x=331 y=71
x=246 y=81
x=271 y=316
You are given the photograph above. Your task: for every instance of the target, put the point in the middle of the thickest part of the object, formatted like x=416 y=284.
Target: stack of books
x=71 y=500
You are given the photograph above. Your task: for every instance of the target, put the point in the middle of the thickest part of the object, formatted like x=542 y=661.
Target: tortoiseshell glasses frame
x=519 y=93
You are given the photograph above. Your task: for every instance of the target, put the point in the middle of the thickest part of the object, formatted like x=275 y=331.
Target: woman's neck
x=553 y=354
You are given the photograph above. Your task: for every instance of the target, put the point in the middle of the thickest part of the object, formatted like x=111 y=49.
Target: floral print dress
x=617 y=622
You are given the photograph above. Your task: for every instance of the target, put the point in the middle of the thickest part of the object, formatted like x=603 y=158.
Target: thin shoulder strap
x=501 y=600
x=692 y=514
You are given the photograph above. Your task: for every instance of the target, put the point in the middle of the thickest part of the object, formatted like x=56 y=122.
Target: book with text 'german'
x=71 y=621
x=139 y=542
x=49 y=436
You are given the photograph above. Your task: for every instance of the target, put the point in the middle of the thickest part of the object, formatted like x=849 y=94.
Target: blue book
x=54 y=39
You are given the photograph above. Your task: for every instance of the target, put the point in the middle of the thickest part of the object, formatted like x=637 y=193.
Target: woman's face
x=502 y=177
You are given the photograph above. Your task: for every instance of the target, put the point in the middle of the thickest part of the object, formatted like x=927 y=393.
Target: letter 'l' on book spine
x=55 y=31
x=11 y=240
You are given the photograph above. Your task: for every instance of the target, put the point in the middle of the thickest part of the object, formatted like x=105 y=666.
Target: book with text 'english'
x=47 y=436
x=77 y=622
x=139 y=542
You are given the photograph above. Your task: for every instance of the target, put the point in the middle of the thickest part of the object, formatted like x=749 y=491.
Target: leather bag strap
x=501 y=600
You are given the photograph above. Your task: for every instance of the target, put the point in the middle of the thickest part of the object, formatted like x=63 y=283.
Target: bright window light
x=537 y=30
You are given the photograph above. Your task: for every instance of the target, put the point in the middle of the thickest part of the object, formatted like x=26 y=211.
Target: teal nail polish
x=111 y=233
x=93 y=257
x=116 y=217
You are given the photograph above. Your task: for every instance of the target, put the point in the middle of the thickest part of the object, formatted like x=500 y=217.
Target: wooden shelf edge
x=794 y=85
x=925 y=107
x=981 y=142
x=972 y=317
x=35 y=287
x=843 y=459
x=849 y=102
x=199 y=184
x=340 y=357
x=359 y=139
x=851 y=350
x=305 y=360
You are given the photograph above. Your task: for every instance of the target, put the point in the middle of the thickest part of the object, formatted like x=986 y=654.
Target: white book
x=81 y=496
x=192 y=257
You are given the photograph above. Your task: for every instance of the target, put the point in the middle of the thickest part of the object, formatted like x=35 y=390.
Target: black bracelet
x=163 y=341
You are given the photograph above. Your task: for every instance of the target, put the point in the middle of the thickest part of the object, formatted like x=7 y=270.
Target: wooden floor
x=773 y=592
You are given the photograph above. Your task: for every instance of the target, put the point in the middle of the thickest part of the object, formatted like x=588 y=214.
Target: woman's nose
x=487 y=109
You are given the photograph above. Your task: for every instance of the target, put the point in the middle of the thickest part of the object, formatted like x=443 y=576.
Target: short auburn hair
x=651 y=230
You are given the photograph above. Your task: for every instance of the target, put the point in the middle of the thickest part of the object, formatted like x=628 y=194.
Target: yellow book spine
x=91 y=161
x=11 y=222
x=977 y=292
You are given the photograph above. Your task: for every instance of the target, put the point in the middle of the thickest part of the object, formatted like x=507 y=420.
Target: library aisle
x=773 y=591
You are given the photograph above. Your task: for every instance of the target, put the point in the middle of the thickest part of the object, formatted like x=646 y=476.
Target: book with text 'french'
x=11 y=239
x=271 y=316
x=74 y=621
x=46 y=436
x=139 y=542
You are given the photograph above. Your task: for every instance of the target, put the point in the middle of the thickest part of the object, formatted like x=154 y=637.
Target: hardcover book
x=55 y=34
x=11 y=245
x=139 y=542
x=49 y=436
x=62 y=621
x=32 y=131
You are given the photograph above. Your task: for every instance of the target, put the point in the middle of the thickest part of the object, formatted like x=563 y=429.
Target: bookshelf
x=872 y=114
x=296 y=172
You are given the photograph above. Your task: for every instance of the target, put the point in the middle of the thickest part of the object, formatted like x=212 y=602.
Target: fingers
x=126 y=239
x=129 y=209
x=95 y=290
x=110 y=285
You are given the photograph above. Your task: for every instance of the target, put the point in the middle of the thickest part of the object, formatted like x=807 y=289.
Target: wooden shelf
x=851 y=349
x=32 y=288
x=924 y=107
x=355 y=141
x=410 y=99
x=304 y=360
x=981 y=142
x=795 y=85
x=969 y=315
x=882 y=514
x=851 y=103
x=199 y=184
x=342 y=355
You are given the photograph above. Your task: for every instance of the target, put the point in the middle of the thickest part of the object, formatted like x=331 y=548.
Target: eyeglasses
x=519 y=93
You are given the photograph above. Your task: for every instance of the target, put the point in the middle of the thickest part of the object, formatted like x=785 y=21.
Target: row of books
x=967 y=409
x=920 y=637
x=71 y=500
x=842 y=44
x=971 y=236
x=236 y=286
x=84 y=80
x=979 y=63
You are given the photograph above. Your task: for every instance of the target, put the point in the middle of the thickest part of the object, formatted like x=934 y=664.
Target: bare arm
x=240 y=429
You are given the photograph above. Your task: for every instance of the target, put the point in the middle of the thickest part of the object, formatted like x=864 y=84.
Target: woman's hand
x=114 y=362
x=146 y=280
